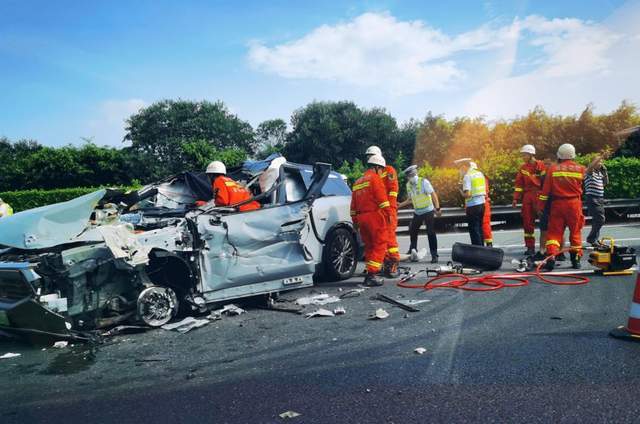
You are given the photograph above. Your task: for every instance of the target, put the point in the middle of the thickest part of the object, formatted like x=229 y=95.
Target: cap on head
x=373 y=150
x=566 y=151
x=216 y=167
x=462 y=161
x=410 y=171
x=528 y=148
x=377 y=160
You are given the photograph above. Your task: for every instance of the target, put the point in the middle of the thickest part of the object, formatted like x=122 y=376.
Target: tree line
x=171 y=136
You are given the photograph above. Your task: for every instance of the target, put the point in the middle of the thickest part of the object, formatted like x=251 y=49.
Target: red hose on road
x=493 y=282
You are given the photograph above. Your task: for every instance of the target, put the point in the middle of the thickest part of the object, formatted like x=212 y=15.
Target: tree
x=433 y=139
x=161 y=130
x=271 y=134
x=335 y=132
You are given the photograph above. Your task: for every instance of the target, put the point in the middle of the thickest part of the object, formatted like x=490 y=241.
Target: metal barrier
x=615 y=209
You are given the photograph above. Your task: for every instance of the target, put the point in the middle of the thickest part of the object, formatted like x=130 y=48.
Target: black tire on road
x=340 y=255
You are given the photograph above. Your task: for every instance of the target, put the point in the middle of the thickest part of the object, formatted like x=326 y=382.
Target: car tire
x=340 y=255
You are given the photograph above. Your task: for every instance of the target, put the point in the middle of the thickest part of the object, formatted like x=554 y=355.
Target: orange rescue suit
x=487 y=233
x=390 y=179
x=527 y=186
x=371 y=212
x=228 y=193
x=563 y=183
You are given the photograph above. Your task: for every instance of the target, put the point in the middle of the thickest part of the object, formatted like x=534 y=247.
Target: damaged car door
x=258 y=251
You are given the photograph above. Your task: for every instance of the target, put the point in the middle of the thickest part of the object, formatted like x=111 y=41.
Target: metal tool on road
x=451 y=268
x=394 y=302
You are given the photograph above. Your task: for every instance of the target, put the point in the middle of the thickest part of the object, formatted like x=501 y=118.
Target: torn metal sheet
x=50 y=225
x=379 y=314
x=320 y=313
x=318 y=299
x=186 y=325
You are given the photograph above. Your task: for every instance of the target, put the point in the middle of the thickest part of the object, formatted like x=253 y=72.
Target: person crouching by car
x=227 y=192
x=426 y=206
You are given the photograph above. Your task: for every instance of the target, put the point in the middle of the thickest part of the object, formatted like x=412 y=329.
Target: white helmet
x=463 y=161
x=216 y=167
x=377 y=160
x=528 y=148
x=373 y=150
x=473 y=165
x=566 y=151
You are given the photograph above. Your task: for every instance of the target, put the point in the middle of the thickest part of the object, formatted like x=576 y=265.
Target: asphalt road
x=538 y=353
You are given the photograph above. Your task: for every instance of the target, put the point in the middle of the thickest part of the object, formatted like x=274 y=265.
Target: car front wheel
x=340 y=255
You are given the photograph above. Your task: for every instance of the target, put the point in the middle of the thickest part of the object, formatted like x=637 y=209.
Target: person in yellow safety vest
x=474 y=191
x=5 y=209
x=426 y=206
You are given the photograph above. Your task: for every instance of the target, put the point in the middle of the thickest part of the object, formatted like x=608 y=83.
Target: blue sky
x=73 y=69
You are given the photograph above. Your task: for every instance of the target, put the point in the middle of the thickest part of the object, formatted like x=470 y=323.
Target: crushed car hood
x=50 y=225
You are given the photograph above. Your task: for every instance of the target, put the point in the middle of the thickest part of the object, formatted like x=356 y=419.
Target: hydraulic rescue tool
x=612 y=259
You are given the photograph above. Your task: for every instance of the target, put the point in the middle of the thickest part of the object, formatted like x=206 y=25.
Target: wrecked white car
x=111 y=257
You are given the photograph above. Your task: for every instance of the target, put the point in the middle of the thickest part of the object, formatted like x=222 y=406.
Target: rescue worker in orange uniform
x=227 y=192
x=527 y=188
x=390 y=179
x=563 y=183
x=371 y=213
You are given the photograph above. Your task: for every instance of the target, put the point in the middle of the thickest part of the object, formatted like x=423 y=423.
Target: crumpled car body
x=111 y=257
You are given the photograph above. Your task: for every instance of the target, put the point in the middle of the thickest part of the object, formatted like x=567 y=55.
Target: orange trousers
x=373 y=230
x=529 y=213
x=487 y=234
x=393 y=251
x=565 y=213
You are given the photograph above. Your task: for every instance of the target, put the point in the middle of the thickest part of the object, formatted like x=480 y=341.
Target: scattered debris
x=126 y=329
x=319 y=299
x=394 y=302
x=186 y=325
x=339 y=311
x=10 y=355
x=289 y=414
x=352 y=293
x=60 y=344
x=379 y=314
x=420 y=350
x=416 y=301
x=557 y=318
x=320 y=313
x=229 y=309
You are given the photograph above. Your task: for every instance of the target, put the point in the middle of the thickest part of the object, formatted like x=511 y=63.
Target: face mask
x=414 y=179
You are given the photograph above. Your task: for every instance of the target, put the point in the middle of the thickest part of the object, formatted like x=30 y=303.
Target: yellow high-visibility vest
x=419 y=199
x=478 y=184
x=6 y=210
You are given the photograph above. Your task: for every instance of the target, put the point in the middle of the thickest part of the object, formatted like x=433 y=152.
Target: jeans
x=416 y=222
x=595 y=207
x=474 y=220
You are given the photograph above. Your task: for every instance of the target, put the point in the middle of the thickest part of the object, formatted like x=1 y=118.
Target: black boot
x=538 y=256
x=489 y=244
x=575 y=260
x=530 y=251
x=561 y=257
x=434 y=259
x=373 y=280
x=391 y=269
x=549 y=265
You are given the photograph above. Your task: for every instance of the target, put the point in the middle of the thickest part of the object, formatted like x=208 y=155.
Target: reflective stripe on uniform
x=552 y=242
x=374 y=264
x=527 y=173
x=488 y=240
x=567 y=174
x=518 y=189
x=542 y=197
x=230 y=183
x=529 y=234
x=353 y=213
x=384 y=174
x=393 y=250
x=361 y=186
x=393 y=193
x=385 y=204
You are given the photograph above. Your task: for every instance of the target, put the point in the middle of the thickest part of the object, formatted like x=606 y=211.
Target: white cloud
x=107 y=128
x=409 y=58
x=377 y=50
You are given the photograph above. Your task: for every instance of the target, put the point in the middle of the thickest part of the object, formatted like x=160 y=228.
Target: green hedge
x=28 y=199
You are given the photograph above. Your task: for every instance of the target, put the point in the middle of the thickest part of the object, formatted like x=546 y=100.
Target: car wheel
x=157 y=305
x=340 y=255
